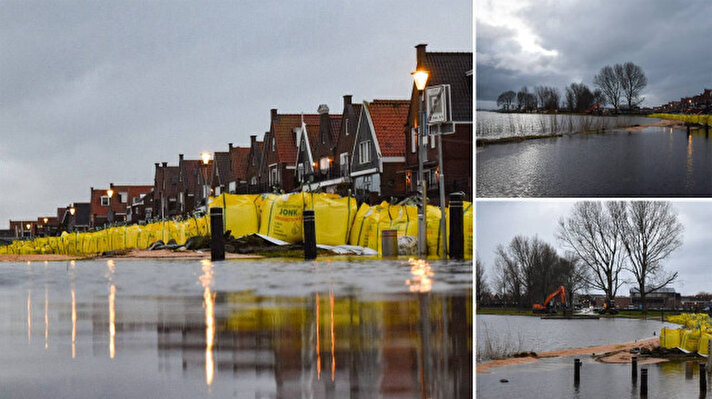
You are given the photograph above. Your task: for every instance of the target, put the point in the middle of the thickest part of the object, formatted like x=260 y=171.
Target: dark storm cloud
x=668 y=39
x=96 y=92
x=498 y=222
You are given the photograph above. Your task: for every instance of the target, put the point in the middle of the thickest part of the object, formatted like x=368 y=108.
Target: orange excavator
x=546 y=308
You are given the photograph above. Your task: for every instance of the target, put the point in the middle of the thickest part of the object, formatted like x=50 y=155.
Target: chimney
x=229 y=145
x=420 y=54
x=165 y=164
x=347 y=100
x=273 y=114
x=155 y=164
x=111 y=186
x=180 y=158
x=253 y=139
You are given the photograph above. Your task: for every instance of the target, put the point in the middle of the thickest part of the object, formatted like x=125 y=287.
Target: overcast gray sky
x=500 y=221
x=545 y=42
x=96 y=92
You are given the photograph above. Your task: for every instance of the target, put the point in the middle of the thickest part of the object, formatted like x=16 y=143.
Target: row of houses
x=701 y=103
x=368 y=149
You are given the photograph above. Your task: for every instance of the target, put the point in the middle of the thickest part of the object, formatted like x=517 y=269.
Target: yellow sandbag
x=433 y=233
x=357 y=236
x=702 y=347
x=467 y=224
x=670 y=337
x=240 y=214
x=690 y=340
x=282 y=217
x=333 y=217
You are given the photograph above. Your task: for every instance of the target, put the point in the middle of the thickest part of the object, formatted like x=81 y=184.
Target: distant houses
x=368 y=150
x=699 y=104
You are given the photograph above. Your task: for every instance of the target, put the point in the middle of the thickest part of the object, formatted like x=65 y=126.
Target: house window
x=253 y=180
x=432 y=142
x=324 y=164
x=367 y=181
x=344 y=163
x=231 y=187
x=273 y=176
x=364 y=149
x=346 y=127
x=124 y=197
x=274 y=144
x=104 y=200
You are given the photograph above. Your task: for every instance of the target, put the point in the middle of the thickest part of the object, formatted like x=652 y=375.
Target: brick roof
x=240 y=157
x=283 y=130
x=335 y=127
x=389 y=118
x=451 y=68
x=190 y=168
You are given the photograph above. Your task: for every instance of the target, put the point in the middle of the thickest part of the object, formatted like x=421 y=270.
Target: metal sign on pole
x=439 y=110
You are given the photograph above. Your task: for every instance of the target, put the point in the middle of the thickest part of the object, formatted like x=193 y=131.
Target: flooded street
x=253 y=329
x=656 y=162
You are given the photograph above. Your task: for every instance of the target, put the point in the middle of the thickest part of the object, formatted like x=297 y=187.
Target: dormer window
x=274 y=144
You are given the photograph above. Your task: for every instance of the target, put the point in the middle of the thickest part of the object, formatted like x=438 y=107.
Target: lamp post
x=110 y=216
x=45 y=228
x=29 y=229
x=206 y=159
x=420 y=77
x=72 y=211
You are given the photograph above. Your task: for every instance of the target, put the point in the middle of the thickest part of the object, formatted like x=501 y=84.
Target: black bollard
x=217 y=240
x=634 y=362
x=577 y=371
x=309 y=235
x=703 y=378
x=643 y=382
x=457 y=231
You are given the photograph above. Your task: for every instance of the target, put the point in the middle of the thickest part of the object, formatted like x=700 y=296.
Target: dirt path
x=615 y=353
x=662 y=123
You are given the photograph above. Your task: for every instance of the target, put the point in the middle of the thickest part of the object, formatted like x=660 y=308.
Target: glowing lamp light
x=206 y=157
x=110 y=192
x=420 y=78
x=72 y=211
x=28 y=226
x=45 y=220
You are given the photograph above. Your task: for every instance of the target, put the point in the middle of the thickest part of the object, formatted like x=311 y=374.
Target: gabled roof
x=309 y=140
x=222 y=167
x=189 y=170
x=388 y=118
x=452 y=69
x=335 y=127
x=240 y=158
x=283 y=131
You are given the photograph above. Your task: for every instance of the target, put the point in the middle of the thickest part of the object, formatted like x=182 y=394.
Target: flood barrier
x=338 y=221
x=693 y=336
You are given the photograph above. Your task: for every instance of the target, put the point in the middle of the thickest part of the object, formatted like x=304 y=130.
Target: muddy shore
x=615 y=353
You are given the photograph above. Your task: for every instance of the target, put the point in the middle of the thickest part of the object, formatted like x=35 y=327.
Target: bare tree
x=481 y=286
x=591 y=233
x=522 y=98
x=650 y=232
x=579 y=98
x=575 y=274
x=609 y=82
x=505 y=99
x=548 y=97
x=633 y=81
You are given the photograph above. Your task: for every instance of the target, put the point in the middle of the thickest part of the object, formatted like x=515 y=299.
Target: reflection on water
x=655 y=162
x=184 y=329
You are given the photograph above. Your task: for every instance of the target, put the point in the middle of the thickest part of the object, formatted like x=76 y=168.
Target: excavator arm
x=561 y=291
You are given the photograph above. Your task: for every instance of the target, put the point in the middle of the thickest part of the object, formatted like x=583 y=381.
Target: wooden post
x=457 y=228
x=217 y=241
x=703 y=379
x=309 y=235
x=577 y=371
x=644 y=382
x=634 y=363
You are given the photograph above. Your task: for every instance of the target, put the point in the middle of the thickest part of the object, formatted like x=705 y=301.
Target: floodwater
x=657 y=162
x=526 y=333
x=245 y=329
x=497 y=125
x=554 y=378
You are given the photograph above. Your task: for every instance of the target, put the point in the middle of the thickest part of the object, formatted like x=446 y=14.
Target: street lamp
x=72 y=211
x=420 y=77
x=206 y=159
x=110 y=216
